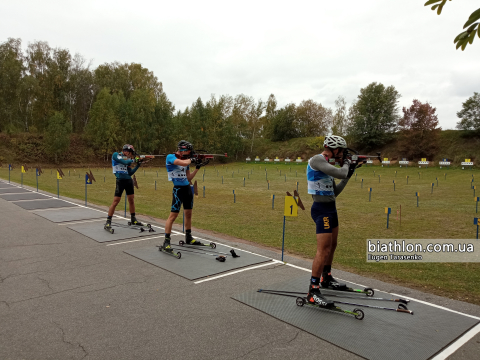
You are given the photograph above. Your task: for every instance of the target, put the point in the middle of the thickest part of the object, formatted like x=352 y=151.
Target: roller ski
x=195 y=243
x=301 y=301
x=328 y=282
x=297 y=294
x=142 y=229
x=137 y=223
x=108 y=227
x=167 y=249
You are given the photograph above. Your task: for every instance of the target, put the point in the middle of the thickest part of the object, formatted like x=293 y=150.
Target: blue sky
x=296 y=50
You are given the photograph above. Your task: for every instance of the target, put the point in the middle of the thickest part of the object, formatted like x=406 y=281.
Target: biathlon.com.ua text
x=421 y=250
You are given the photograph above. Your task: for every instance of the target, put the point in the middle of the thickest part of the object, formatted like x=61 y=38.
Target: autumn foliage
x=419 y=134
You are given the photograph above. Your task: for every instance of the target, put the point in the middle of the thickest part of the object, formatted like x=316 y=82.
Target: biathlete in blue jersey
x=121 y=163
x=178 y=168
x=324 y=190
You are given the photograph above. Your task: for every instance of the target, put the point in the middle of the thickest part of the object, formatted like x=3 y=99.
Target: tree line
x=49 y=91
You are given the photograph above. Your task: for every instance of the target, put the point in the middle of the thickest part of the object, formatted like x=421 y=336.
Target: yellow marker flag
x=467 y=160
x=23 y=169
x=291 y=207
x=58 y=176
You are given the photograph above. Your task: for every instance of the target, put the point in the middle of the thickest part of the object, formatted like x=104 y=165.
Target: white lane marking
x=52 y=209
x=73 y=222
x=238 y=271
x=458 y=344
x=126 y=242
x=2 y=194
x=24 y=200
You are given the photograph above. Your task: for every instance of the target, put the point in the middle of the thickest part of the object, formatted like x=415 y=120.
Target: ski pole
x=178 y=247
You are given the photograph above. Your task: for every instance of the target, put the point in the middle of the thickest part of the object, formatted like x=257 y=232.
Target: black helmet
x=129 y=147
x=184 y=145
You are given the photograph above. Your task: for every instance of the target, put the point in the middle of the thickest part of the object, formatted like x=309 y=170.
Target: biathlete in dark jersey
x=178 y=168
x=324 y=190
x=123 y=172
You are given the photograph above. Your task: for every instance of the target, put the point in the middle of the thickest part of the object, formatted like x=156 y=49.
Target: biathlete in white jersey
x=324 y=190
x=178 y=168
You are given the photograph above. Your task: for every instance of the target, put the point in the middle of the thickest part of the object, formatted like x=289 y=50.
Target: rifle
x=201 y=154
x=202 y=157
x=355 y=158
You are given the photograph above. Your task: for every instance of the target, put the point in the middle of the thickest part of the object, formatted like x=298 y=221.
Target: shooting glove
x=202 y=164
x=351 y=169
x=194 y=161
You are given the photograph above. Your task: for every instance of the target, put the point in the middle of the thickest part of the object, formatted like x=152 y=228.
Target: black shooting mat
x=95 y=231
x=194 y=266
x=13 y=190
x=43 y=204
x=381 y=335
x=23 y=196
x=73 y=214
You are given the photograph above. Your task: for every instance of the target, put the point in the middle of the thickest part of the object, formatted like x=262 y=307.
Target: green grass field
x=447 y=213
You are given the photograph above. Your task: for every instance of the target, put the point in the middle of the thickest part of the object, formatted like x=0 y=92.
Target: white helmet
x=334 y=142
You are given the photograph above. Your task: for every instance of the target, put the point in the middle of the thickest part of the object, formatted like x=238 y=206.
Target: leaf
x=435 y=6
x=458 y=37
x=473 y=17
x=439 y=11
x=471 y=37
x=478 y=31
x=472 y=28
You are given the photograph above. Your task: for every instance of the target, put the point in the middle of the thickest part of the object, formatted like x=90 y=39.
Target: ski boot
x=166 y=246
x=167 y=249
x=315 y=297
x=192 y=241
x=135 y=222
x=328 y=282
x=189 y=240
x=108 y=227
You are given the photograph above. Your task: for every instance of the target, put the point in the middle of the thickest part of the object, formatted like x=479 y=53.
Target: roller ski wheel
x=171 y=252
x=359 y=315
x=300 y=301
x=402 y=307
x=109 y=228
x=369 y=292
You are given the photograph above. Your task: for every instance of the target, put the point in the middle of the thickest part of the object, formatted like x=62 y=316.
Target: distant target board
x=423 y=162
x=386 y=161
x=287 y=160
x=248 y=159
x=444 y=163
x=369 y=161
x=277 y=159
x=299 y=160
x=257 y=159
x=467 y=162
x=404 y=162
x=266 y=159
